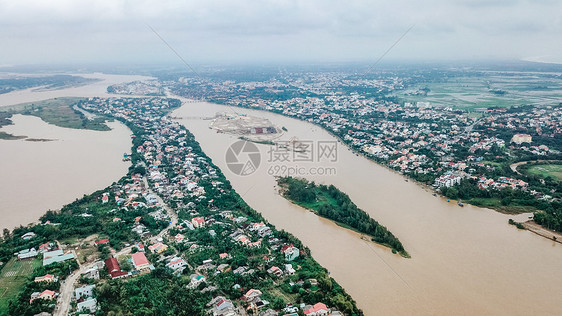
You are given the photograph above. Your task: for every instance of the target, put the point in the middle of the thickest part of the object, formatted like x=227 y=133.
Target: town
x=474 y=155
x=172 y=234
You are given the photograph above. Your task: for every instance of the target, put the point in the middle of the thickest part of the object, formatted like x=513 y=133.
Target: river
x=465 y=261
x=38 y=176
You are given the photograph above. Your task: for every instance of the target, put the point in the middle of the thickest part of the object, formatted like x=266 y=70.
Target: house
x=113 y=268
x=89 y=305
x=46 y=278
x=27 y=253
x=222 y=307
x=102 y=242
x=45 y=247
x=196 y=279
x=223 y=267
x=84 y=292
x=140 y=247
x=319 y=309
x=45 y=295
x=179 y=237
x=55 y=256
x=158 y=248
x=92 y=273
x=447 y=180
x=291 y=252
x=177 y=264
x=289 y=269
x=198 y=222
x=252 y=295
x=275 y=270
x=140 y=261
x=28 y=235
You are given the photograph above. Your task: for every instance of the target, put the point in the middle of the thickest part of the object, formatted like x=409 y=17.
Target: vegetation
x=61 y=112
x=14 y=275
x=553 y=171
x=45 y=82
x=161 y=292
x=329 y=202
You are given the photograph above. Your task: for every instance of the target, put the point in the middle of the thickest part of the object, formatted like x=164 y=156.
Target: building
x=84 y=292
x=158 y=248
x=198 y=222
x=176 y=264
x=102 y=242
x=291 y=252
x=28 y=236
x=89 y=305
x=319 y=309
x=46 y=278
x=222 y=307
x=27 y=253
x=275 y=270
x=140 y=261
x=45 y=247
x=45 y=295
x=521 y=138
x=55 y=256
x=196 y=279
x=252 y=295
x=114 y=269
x=447 y=180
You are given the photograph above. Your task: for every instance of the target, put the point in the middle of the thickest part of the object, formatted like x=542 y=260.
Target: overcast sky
x=72 y=31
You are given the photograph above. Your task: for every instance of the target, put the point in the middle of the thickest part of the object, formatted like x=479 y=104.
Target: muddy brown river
x=465 y=261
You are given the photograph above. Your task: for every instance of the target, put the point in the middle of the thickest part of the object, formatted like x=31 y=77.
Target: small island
x=333 y=204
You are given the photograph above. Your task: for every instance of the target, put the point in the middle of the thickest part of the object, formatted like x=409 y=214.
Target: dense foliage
x=333 y=204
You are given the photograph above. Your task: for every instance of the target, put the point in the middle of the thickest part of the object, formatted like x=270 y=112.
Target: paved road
x=67 y=286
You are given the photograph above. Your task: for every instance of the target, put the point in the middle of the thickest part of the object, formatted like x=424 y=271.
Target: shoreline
x=423 y=186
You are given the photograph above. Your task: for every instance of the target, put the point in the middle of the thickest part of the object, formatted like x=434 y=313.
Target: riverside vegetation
x=333 y=204
x=163 y=291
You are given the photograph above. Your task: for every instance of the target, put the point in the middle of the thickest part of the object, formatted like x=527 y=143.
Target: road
x=67 y=286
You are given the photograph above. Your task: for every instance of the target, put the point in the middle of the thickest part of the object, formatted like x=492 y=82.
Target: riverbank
x=543 y=232
x=463 y=259
x=332 y=204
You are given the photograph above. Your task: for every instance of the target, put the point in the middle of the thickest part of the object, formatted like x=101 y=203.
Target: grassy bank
x=59 y=112
x=331 y=203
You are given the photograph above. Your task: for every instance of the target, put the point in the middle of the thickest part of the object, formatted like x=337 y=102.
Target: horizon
x=289 y=31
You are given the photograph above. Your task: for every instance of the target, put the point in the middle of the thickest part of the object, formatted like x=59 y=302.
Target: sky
x=230 y=31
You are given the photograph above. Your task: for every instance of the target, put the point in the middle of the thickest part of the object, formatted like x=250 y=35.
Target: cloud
x=269 y=30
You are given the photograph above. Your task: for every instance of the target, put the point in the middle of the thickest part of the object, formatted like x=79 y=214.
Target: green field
x=553 y=170
x=57 y=111
x=475 y=93
x=12 y=278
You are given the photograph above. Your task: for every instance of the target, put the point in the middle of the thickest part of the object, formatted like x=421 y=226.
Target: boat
x=434 y=194
x=460 y=204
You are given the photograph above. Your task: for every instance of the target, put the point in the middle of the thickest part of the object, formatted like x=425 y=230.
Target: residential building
x=27 y=253
x=113 y=268
x=319 y=309
x=46 y=278
x=140 y=261
x=84 y=292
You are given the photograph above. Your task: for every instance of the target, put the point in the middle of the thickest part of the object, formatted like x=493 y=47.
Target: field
x=491 y=89
x=553 y=170
x=12 y=278
x=58 y=112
